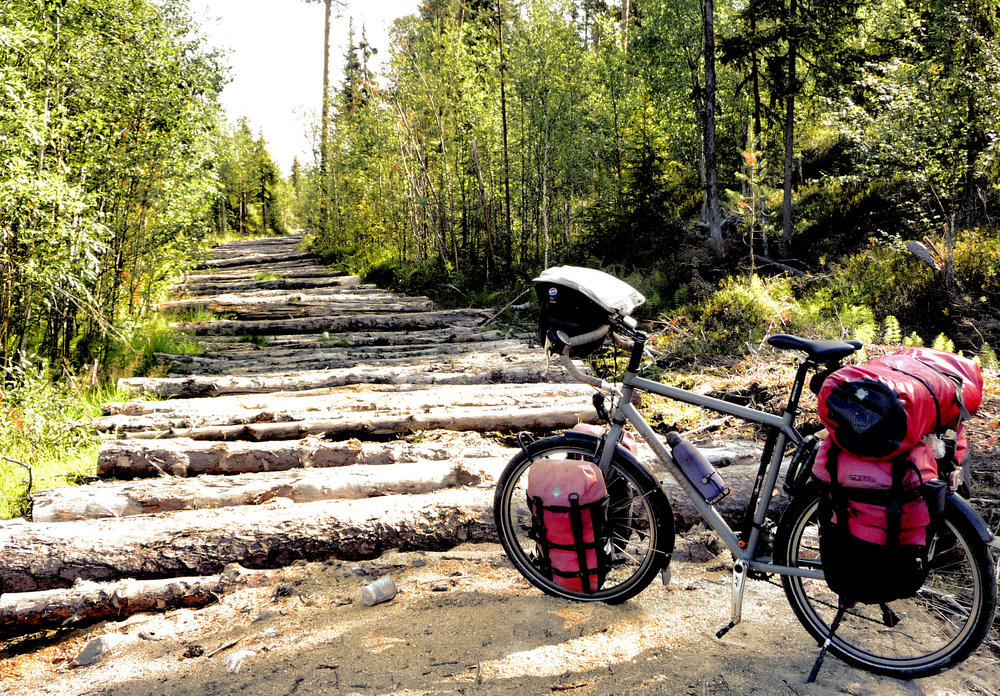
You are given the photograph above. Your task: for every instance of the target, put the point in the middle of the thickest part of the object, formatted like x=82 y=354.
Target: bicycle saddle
x=819 y=351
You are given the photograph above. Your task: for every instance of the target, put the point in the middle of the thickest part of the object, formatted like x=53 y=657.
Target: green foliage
x=913 y=340
x=741 y=313
x=942 y=342
x=891 y=333
x=988 y=358
x=39 y=426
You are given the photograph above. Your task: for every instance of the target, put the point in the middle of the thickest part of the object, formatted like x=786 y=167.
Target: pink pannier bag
x=569 y=509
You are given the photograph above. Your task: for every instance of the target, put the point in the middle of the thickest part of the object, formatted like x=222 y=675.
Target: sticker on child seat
x=553 y=293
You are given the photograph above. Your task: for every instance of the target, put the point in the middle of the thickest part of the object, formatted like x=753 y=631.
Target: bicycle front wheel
x=908 y=638
x=639 y=519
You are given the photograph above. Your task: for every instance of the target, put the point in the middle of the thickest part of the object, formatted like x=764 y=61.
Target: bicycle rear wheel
x=639 y=517
x=914 y=637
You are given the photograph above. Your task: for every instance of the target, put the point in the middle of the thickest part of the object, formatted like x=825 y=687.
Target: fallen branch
x=31 y=482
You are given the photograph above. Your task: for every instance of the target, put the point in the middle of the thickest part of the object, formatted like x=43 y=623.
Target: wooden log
x=166 y=494
x=241 y=351
x=481 y=419
x=127 y=459
x=380 y=322
x=258 y=362
x=202 y=542
x=196 y=386
x=208 y=287
x=226 y=300
x=286 y=271
x=254 y=309
x=90 y=602
x=362 y=399
x=261 y=259
x=370 y=338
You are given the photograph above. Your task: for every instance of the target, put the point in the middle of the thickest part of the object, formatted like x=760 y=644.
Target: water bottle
x=698 y=470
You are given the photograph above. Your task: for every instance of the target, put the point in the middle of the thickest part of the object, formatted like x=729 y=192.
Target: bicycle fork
x=740 y=570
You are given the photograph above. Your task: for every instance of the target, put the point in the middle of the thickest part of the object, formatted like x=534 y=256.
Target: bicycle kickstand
x=740 y=570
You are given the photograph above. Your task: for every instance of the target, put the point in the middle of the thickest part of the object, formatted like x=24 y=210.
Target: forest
x=752 y=166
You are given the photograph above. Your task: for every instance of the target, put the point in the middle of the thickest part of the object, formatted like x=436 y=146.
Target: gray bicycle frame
x=625 y=411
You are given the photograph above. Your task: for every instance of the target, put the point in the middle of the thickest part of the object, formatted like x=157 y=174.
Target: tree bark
x=482 y=419
x=335 y=324
x=711 y=168
x=90 y=602
x=170 y=493
x=254 y=260
x=129 y=459
x=790 y=90
x=198 y=386
x=196 y=542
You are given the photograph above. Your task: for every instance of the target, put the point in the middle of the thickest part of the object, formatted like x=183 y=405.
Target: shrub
x=741 y=312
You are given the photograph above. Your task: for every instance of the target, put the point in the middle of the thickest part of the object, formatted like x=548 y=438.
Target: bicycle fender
x=641 y=472
x=960 y=505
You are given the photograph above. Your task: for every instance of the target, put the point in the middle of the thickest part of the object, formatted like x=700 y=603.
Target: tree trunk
x=711 y=168
x=167 y=494
x=324 y=137
x=479 y=419
x=790 y=89
x=419 y=321
x=90 y=602
x=129 y=459
x=54 y=555
x=509 y=241
x=199 y=386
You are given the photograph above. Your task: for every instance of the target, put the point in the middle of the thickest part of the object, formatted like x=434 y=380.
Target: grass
x=268 y=276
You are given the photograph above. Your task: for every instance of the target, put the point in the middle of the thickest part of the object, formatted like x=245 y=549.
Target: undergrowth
x=43 y=425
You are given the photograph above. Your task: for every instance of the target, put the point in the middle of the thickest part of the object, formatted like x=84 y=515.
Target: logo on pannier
x=862 y=478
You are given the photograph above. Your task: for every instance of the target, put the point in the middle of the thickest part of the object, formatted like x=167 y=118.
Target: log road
x=323 y=418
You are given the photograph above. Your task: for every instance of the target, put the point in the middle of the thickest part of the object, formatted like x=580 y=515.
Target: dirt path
x=464 y=622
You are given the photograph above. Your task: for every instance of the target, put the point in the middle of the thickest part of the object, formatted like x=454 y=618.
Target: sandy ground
x=464 y=622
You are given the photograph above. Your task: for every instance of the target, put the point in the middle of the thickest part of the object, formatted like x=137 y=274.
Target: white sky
x=276 y=60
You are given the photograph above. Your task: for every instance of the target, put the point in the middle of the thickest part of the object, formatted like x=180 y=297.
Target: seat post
x=800 y=379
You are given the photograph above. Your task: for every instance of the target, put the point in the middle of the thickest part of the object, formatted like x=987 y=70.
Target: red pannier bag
x=876 y=520
x=887 y=406
x=569 y=510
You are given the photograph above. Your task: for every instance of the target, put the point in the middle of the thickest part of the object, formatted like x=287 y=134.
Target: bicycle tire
x=638 y=512
x=918 y=636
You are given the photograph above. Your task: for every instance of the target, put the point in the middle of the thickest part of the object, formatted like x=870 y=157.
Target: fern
x=891 y=332
x=944 y=343
x=913 y=340
x=865 y=333
x=988 y=358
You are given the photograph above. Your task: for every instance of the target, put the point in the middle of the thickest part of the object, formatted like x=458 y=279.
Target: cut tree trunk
x=344 y=400
x=328 y=280
x=195 y=386
x=368 y=338
x=388 y=322
x=255 y=259
x=482 y=419
x=239 y=352
x=203 y=542
x=90 y=602
x=166 y=494
x=259 y=308
x=257 y=362
x=127 y=459
x=229 y=300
